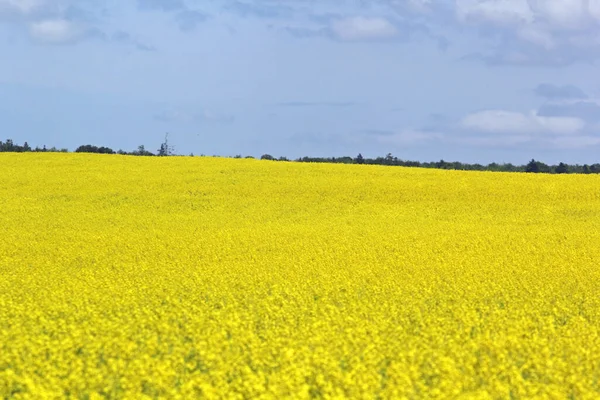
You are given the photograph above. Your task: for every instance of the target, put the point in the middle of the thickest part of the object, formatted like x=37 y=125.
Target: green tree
x=389 y=159
x=532 y=167
x=88 y=148
x=141 y=151
x=561 y=168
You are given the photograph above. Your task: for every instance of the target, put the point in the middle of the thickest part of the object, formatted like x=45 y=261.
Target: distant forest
x=533 y=166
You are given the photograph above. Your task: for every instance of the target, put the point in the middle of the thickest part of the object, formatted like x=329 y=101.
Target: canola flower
x=135 y=277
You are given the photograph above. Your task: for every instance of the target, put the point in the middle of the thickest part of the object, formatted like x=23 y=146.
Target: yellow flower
x=177 y=277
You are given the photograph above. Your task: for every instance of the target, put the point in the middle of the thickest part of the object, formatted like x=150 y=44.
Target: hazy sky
x=467 y=80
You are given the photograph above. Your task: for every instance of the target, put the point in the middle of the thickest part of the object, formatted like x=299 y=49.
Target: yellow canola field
x=179 y=277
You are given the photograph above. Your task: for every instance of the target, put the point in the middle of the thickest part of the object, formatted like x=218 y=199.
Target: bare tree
x=165 y=148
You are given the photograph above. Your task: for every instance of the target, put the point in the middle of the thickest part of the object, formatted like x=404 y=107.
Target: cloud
x=354 y=20
x=501 y=121
x=548 y=15
x=20 y=6
x=567 y=101
x=53 y=22
x=187 y=18
x=40 y=10
x=56 y=31
x=363 y=28
x=495 y=129
x=499 y=12
x=586 y=110
x=510 y=129
x=513 y=32
x=554 y=92
x=530 y=32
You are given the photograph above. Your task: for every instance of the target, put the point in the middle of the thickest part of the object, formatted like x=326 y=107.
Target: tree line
x=10 y=146
x=533 y=166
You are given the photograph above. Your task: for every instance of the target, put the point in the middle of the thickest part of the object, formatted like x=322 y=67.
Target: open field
x=177 y=277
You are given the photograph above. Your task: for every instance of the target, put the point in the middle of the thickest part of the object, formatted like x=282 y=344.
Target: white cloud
x=537 y=36
x=20 y=6
x=562 y=14
x=557 y=125
x=501 y=121
x=555 y=32
x=53 y=21
x=502 y=12
x=555 y=14
x=54 y=31
x=363 y=28
x=594 y=9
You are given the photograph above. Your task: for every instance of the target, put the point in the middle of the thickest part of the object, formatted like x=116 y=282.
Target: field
x=181 y=277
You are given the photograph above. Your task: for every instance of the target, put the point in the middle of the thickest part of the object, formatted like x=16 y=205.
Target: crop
x=180 y=277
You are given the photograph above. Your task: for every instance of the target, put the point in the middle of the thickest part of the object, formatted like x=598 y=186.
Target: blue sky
x=467 y=80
